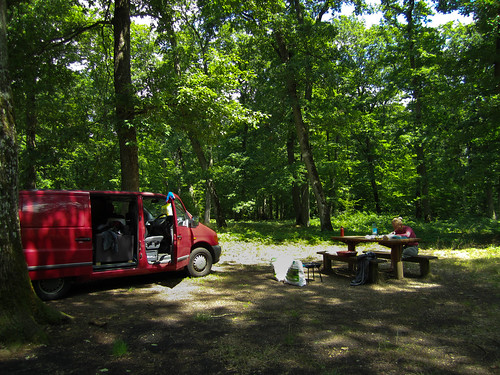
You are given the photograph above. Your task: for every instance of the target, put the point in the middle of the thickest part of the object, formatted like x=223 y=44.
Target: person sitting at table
x=410 y=249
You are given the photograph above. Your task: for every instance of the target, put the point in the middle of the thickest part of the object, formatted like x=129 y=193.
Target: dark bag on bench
x=362 y=272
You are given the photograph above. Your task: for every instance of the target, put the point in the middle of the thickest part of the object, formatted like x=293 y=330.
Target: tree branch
x=55 y=42
x=323 y=10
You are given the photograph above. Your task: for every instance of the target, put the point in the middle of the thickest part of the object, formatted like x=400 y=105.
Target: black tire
x=51 y=289
x=200 y=262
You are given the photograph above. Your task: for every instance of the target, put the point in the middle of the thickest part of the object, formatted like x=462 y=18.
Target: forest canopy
x=265 y=110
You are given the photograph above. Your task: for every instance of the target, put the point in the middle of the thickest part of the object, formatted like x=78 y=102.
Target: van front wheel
x=200 y=262
x=51 y=289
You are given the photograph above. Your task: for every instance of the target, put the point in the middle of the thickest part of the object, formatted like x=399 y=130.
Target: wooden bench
x=373 y=275
x=423 y=260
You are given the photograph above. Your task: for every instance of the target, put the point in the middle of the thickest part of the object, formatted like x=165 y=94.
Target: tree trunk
x=498 y=198
x=497 y=53
x=490 y=204
x=371 y=169
x=497 y=80
x=422 y=209
x=300 y=191
x=303 y=137
x=305 y=206
x=210 y=192
x=31 y=127
x=208 y=206
x=21 y=312
x=205 y=166
x=124 y=98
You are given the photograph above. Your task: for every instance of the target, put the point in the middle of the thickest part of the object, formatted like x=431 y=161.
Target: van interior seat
x=153 y=242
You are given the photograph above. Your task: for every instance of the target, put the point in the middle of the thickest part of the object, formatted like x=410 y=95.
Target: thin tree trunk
x=497 y=53
x=490 y=203
x=205 y=166
x=208 y=205
x=303 y=137
x=305 y=206
x=497 y=80
x=210 y=192
x=31 y=127
x=300 y=191
x=373 y=181
x=124 y=97
x=422 y=210
x=498 y=198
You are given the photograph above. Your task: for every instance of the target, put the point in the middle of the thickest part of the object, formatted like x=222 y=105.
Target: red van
x=76 y=236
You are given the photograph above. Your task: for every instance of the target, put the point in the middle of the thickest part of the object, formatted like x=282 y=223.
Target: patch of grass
x=119 y=348
x=480 y=265
x=386 y=345
x=202 y=317
x=273 y=232
x=325 y=371
x=244 y=357
x=290 y=339
x=209 y=279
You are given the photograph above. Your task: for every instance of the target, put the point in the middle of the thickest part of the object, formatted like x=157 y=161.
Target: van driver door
x=183 y=236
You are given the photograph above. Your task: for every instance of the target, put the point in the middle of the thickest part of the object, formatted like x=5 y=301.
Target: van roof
x=91 y=192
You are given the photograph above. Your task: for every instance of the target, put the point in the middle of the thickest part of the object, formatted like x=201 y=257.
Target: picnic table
x=395 y=244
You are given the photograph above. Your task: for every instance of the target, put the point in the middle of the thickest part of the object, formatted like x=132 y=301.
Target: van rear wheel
x=51 y=289
x=200 y=262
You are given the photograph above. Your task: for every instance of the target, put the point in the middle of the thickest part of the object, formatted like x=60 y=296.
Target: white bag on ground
x=281 y=266
x=295 y=274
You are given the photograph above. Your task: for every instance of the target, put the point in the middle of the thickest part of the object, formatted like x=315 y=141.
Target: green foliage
x=209 y=71
x=456 y=234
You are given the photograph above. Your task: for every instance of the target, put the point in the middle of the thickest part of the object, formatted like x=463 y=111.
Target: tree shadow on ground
x=239 y=320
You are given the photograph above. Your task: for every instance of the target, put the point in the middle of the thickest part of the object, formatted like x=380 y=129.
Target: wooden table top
x=379 y=239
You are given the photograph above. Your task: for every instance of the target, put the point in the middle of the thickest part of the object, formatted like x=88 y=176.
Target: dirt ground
x=239 y=320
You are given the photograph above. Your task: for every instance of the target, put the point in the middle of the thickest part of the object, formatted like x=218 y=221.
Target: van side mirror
x=194 y=222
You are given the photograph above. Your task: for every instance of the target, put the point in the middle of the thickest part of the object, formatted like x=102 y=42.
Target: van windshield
x=154 y=207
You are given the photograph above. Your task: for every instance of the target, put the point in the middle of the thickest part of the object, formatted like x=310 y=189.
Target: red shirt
x=406 y=231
